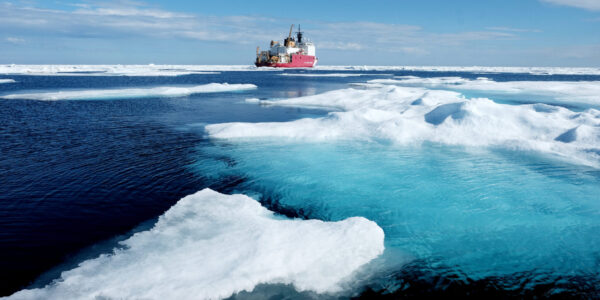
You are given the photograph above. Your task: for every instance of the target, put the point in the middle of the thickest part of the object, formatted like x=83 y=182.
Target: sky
x=377 y=32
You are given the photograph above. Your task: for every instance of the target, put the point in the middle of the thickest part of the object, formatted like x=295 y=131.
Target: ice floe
x=471 y=69
x=565 y=91
x=120 y=70
x=330 y=74
x=252 y=100
x=7 y=81
x=175 y=70
x=210 y=245
x=409 y=115
x=163 y=91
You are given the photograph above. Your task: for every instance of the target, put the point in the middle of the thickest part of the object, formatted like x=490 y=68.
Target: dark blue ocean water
x=74 y=174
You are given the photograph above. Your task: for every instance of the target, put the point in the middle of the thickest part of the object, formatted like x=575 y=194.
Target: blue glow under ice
x=479 y=212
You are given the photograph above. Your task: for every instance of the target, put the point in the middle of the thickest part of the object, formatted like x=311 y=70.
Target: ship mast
x=299 y=34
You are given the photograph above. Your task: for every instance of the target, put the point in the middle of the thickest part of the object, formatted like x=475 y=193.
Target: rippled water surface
x=457 y=220
x=517 y=220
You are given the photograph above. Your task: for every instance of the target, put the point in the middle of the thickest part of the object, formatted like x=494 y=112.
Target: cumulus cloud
x=584 y=4
x=408 y=39
x=15 y=40
x=341 y=45
x=580 y=51
x=511 y=29
x=130 y=11
x=125 y=19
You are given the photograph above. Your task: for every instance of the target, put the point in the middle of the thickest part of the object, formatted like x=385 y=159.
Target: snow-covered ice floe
x=412 y=115
x=164 y=91
x=565 y=91
x=330 y=74
x=176 y=70
x=210 y=245
x=122 y=70
x=7 y=81
x=472 y=69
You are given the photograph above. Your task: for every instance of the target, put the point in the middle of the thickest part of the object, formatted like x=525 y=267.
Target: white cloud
x=413 y=50
x=127 y=19
x=340 y=46
x=455 y=39
x=580 y=51
x=15 y=40
x=112 y=21
x=585 y=4
x=407 y=39
x=128 y=9
x=511 y=29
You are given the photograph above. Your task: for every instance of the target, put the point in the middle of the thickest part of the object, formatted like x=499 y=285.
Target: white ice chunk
x=408 y=115
x=210 y=245
x=7 y=81
x=163 y=91
x=330 y=74
x=252 y=100
x=565 y=91
x=473 y=69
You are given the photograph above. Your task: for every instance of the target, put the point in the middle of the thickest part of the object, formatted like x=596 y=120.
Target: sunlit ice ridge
x=337 y=182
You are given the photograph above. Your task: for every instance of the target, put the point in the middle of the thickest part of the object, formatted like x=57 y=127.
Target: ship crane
x=288 y=41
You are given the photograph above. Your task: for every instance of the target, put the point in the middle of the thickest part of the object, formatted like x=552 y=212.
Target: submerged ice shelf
x=210 y=245
x=512 y=219
x=163 y=91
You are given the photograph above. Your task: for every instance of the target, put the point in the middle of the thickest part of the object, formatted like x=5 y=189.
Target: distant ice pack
x=123 y=70
x=177 y=70
x=472 y=69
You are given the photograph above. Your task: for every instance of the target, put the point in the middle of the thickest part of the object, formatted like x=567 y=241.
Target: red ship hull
x=297 y=61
